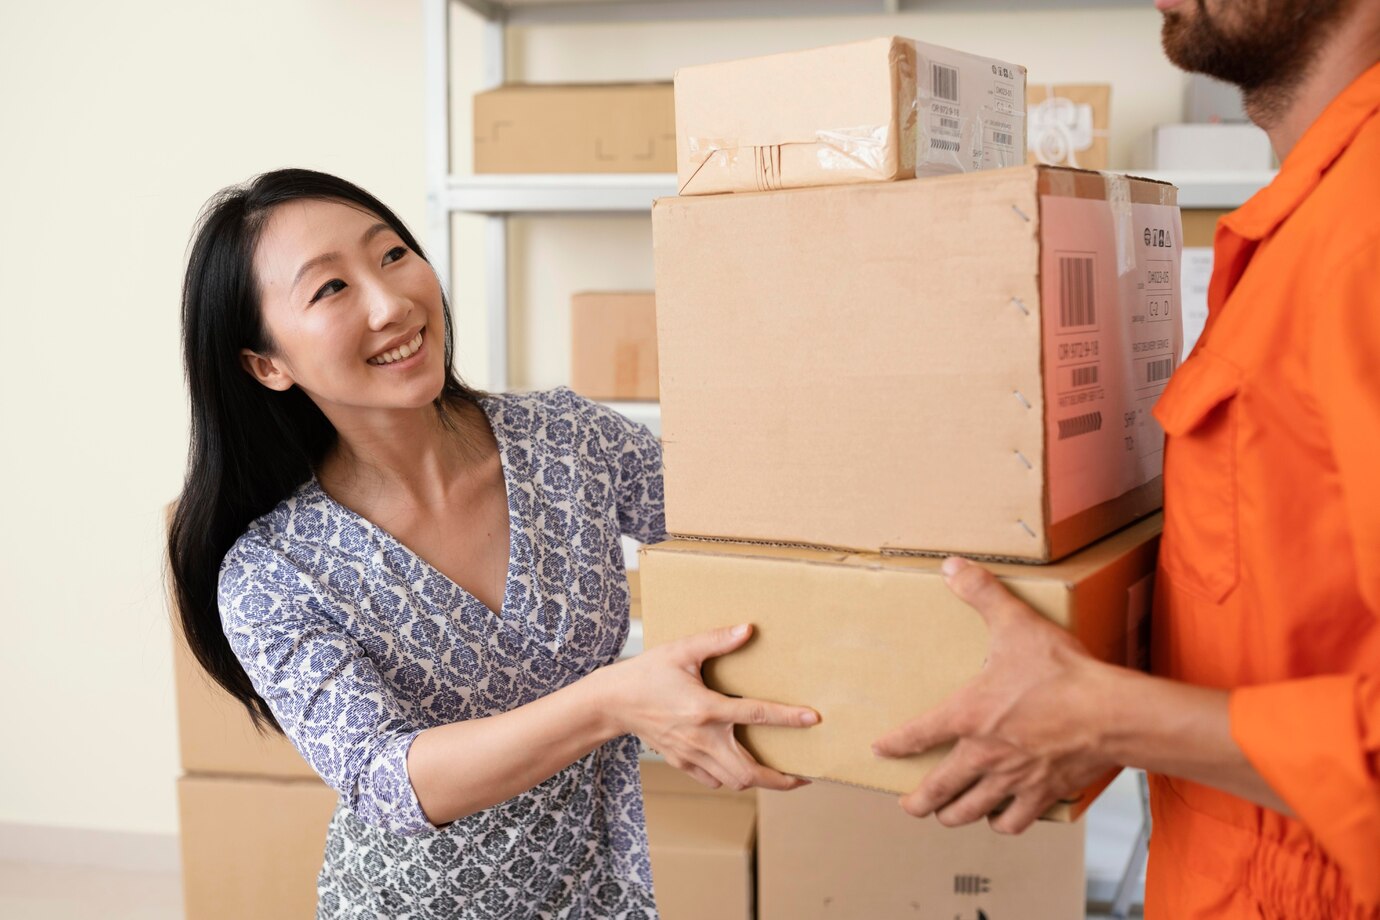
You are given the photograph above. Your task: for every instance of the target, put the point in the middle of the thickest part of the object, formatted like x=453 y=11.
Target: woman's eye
x=394 y=254
x=330 y=287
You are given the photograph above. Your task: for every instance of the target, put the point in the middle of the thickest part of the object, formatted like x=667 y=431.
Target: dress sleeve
x=634 y=455
x=320 y=684
x=1317 y=741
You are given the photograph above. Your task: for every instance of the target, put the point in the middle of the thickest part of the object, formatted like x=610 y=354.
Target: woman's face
x=355 y=315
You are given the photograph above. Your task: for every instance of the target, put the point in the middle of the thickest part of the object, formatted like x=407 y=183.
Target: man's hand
x=1026 y=728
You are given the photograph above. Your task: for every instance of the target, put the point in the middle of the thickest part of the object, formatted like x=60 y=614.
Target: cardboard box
x=613 y=345
x=961 y=364
x=888 y=108
x=1211 y=147
x=1067 y=125
x=634 y=594
x=871 y=641
x=215 y=734
x=827 y=852
x=575 y=128
x=702 y=846
x=252 y=847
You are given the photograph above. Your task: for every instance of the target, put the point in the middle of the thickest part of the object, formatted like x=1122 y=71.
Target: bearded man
x=1261 y=723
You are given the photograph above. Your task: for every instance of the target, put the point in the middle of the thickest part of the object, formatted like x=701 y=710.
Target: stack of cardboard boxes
x=863 y=371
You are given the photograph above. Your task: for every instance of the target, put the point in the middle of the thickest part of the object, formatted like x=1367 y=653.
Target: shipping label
x=971 y=113
x=1111 y=302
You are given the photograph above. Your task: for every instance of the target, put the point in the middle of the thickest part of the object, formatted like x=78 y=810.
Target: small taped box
x=870 y=111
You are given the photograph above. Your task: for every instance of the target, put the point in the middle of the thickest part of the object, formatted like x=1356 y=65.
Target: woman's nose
x=387 y=307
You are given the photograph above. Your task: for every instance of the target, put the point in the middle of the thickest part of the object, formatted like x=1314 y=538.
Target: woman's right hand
x=660 y=696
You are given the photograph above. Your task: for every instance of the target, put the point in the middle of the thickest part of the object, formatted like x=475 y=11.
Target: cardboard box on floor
x=871 y=641
x=1068 y=124
x=888 y=108
x=575 y=128
x=829 y=851
x=958 y=364
x=252 y=847
x=702 y=846
x=613 y=345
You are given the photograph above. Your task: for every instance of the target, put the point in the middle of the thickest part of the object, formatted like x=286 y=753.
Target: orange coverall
x=1269 y=574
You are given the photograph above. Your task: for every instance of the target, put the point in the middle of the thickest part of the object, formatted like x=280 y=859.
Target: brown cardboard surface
x=702 y=846
x=861 y=366
x=252 y=847
x=215 y=734
x=828 y=851
x=1200 y=225
x=862 y=111
x=1073 y=129
x=870 y=641
x=575 y=128
x=613 y=345
x=634 y=594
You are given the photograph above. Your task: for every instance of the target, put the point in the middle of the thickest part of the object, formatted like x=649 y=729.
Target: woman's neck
x=414 y=457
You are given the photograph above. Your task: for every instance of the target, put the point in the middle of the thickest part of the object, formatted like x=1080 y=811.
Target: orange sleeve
x=1316 y=741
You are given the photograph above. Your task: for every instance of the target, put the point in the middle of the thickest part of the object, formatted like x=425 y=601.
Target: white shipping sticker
x=1197 y=272
x=1112 y=337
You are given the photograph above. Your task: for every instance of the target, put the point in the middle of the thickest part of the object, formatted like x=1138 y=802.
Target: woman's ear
x=267 y=371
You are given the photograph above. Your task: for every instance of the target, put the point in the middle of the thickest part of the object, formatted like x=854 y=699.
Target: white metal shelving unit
x=1115 y=824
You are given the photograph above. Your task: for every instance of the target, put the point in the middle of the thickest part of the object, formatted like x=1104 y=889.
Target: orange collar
x=1303 y=169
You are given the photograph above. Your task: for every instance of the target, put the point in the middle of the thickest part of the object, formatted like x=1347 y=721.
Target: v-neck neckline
x=388 y=537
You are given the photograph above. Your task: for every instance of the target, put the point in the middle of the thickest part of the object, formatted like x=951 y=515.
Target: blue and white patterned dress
x=357 y=644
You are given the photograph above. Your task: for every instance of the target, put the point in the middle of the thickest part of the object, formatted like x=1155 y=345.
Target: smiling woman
x=421 y=585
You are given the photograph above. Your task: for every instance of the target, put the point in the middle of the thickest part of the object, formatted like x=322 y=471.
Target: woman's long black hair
x=250 y=446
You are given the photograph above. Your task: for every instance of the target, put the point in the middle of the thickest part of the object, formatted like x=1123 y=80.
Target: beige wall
x=118 y=121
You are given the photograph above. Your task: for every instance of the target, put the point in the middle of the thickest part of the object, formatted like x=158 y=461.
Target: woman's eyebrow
x=325 y=257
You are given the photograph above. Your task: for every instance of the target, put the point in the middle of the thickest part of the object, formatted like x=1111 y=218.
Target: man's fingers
x=760 y=712
x=1021 y=813
x=979 y=589
x=929 y=729
x=954 y=776
x=988 y=795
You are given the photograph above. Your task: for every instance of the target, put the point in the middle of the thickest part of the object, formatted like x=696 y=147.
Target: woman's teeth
x=397 y=354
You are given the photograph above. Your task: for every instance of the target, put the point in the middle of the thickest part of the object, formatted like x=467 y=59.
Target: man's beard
x=1263 y=46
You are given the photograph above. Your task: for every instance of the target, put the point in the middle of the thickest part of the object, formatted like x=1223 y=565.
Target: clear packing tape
x=948 y=112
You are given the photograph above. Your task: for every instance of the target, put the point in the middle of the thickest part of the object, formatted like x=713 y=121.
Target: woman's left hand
x=1027 y=728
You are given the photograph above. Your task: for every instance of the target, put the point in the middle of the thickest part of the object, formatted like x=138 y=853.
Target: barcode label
x=1085 y=376
x=972 y=884
x=1079 y=424
x=951 y=123
x=939 y=143
x=1076 y=306
x=945 y=82
x=1001 y=137
x=1158 y=370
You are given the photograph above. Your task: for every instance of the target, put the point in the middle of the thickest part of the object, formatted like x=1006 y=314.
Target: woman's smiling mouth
x=401 y=353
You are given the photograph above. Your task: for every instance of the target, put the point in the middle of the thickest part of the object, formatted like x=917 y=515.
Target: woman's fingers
x=715 y=642
x=744 y=772
x=761 y=712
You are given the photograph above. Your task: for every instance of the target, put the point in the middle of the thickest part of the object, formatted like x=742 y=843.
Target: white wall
x=117 y=122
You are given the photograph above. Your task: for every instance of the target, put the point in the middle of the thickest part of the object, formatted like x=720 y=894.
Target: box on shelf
x=1067 y=125
x=575 y=128
x=960 y=364
x=871 y=641
x=828 y=851
x=215 y=734
x=613 y=345
x=702 y=846
x=252 y=847
x=1210 y=148
x=888 y=108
